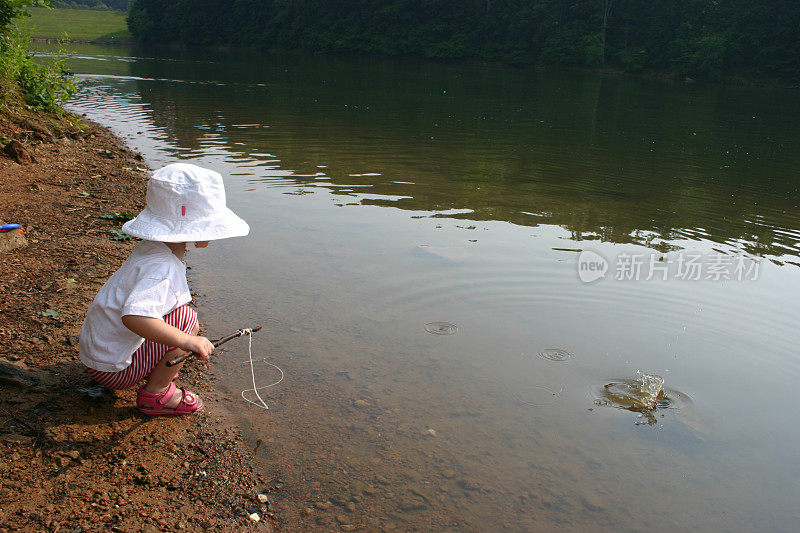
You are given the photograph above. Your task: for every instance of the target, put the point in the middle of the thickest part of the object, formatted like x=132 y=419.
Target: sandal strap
x=167 y=395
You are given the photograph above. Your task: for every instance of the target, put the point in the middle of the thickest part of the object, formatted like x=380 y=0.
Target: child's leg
x=162 y=375
x=150 y=360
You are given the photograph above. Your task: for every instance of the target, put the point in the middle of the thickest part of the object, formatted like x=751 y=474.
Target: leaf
x=119 y=217
x=70 y=280
x=118 y=235
x=51 y=312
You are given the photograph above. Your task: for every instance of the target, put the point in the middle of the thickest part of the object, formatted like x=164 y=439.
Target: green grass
x=82 y=25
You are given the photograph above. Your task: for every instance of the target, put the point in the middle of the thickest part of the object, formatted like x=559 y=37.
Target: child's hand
x=200 y=346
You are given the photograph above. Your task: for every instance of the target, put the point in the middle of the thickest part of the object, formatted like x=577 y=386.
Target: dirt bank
x=76 y=457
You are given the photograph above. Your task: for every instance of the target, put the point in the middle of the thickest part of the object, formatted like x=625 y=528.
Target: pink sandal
x=155 y=404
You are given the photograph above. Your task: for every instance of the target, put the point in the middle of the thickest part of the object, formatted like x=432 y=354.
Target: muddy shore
x=77 y=457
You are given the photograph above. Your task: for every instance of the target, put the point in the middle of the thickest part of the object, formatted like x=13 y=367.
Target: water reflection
x=610 y=160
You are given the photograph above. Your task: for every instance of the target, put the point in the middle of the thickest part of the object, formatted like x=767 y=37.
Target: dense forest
x=106 y=5
x=698 y=38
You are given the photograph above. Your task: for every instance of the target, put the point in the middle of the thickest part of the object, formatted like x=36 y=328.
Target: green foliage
x=632 y=59
x=704 y=38
x=701 y=55
x=593 y=48
x=45 y=87
x=12 y=9
x=117 y=217
x=118 y=235
x=42 y=86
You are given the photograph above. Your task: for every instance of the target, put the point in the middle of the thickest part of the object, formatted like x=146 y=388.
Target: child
x=140 y=318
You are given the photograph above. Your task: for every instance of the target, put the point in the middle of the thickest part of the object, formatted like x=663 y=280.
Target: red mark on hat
x=183 y=210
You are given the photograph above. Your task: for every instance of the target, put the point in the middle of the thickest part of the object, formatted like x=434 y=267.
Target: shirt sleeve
x=150 y=297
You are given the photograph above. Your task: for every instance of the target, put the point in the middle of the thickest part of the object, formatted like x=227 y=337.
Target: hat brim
x=223 y=225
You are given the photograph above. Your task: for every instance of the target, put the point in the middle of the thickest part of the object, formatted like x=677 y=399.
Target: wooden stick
x=216 y=343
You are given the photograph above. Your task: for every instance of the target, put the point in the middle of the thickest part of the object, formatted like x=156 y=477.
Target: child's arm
x=156 y=330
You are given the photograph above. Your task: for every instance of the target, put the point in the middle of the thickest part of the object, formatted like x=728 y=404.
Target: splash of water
x=651 y=388
x=643 y=394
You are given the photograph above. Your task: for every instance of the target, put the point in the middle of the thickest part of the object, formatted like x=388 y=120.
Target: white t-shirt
x=151 y=282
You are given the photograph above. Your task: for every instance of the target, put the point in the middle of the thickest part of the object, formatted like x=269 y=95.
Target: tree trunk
x=606 y=13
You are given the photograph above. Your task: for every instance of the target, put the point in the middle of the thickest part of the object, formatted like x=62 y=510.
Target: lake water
x=386 y=196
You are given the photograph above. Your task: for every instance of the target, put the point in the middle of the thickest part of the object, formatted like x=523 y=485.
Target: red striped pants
x=149 y=354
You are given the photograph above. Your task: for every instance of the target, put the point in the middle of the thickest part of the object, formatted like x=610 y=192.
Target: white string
x=261 y=403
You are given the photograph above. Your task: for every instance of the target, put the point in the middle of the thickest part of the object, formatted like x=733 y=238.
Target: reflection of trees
x=623 y=160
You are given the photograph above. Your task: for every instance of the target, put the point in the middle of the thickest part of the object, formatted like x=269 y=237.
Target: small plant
x=50 y=313
x=43 y=87
x=118 y=235
x=117 y=217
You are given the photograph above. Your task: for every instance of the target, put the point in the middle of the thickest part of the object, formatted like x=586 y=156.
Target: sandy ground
x=74 y=456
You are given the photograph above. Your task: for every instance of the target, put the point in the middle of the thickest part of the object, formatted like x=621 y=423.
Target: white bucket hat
x=185 y=203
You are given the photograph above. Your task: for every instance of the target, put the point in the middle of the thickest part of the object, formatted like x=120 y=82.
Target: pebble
x=350 y=507
x=342 y=519
x=254 y=517
x=412 y=504
x=263 y=498
x=449 y=474
x=467 y=484
x=361 y=403
x=412 y=475
x=421 y=492
x=337 y=499
x=429 y=432
x=348 y=527
x=323 y=505
x=74 y=454
x=592 y=501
